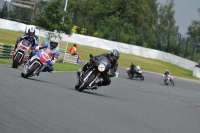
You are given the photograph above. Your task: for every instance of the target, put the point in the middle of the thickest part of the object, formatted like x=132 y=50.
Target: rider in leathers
x=31 y=37
x=52 y=48
x=113 y=57
x=132 y=68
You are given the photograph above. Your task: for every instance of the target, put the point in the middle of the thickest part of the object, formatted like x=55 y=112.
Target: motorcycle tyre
x=84 y=86
x=172 y=82
x=141 y=77
x=15 y=63
x=130 y=76
x=33 y=68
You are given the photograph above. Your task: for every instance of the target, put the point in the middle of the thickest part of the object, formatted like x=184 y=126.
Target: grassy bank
x=124 y=61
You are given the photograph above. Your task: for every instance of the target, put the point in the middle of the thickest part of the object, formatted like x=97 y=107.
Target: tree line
x=145 y=23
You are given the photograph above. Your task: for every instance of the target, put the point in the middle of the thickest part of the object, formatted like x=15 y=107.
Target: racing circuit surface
x=50 y=104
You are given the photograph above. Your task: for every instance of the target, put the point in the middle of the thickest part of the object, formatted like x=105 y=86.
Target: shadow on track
x=40 y=80
x=95 y=94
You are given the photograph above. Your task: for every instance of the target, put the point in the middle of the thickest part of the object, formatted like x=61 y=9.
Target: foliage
x=194 y=32
x=167 y=30
x=4 y=11
x=51 y=18
x=20 y=14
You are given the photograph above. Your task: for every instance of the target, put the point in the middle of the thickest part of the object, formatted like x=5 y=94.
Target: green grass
x=66 y=67
x=57 y=67
x=124 y=61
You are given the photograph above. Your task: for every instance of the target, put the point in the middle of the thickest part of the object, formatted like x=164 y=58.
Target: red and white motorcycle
x=21 y=53
x=168 y=79
x=36 y=64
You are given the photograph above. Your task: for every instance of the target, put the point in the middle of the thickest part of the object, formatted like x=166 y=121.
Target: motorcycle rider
x=52 y=48
x=113 y=57
x=166 y=73
x=132 y=68
x=31 y=37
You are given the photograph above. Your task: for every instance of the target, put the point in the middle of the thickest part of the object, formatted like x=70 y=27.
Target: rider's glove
x=37 y=48
x=48 y=62
x=53 y=61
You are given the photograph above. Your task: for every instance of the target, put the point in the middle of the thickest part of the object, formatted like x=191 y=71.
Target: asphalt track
x=50 y=104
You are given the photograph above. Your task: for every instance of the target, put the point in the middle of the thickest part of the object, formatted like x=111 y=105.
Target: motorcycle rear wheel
x=130 y=76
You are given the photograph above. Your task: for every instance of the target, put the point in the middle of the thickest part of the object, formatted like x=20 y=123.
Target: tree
x=194 y=28
x=4 y=12
x=41 y=5
x=51 y=18
x=167 y=30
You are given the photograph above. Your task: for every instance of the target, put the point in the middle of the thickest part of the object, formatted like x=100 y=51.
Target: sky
x=185 y=12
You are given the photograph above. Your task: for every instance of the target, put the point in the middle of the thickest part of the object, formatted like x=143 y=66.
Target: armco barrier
x=6 y=50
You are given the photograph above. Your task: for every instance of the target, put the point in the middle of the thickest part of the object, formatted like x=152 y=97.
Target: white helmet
x=54 y=41
x=31 y=31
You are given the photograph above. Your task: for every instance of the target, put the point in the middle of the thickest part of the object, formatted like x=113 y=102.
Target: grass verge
x=59 y=66
x=153 y=65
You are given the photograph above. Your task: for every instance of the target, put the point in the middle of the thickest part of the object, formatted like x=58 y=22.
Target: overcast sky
x=185 y=11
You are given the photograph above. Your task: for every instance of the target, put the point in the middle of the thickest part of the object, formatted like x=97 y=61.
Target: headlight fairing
x=101 y=67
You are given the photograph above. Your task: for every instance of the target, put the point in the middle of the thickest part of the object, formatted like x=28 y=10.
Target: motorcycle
x=137 y=74
x=21 y=53
x=36 y=64
x=94 y=73
x=168 y=80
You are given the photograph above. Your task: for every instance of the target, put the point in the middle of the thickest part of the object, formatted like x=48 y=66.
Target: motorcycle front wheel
x=84 y=85
x=30 y=71
x=141 y=77
x=171 y=82
x=16 y=61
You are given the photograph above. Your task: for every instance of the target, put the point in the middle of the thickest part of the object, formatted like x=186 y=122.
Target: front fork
x=27 y=66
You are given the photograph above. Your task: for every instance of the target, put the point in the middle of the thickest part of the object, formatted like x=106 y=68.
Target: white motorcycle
x=36 y=64
x=137 y=74
x=21 y=53
x=168 y=79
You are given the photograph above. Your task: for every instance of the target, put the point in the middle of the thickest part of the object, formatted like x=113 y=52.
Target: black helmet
x=115 y=54
x=133 y=64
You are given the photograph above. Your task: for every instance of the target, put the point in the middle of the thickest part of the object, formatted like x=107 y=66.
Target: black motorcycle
x=99 y=68
x=137 y=74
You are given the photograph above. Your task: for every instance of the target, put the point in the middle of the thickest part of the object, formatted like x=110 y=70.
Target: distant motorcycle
x=94 y=73
x=137 y=74
x=36 y=64
x=21 y=53
x=168 y=80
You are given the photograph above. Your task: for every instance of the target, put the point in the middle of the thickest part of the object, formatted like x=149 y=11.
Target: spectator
x=72 y=51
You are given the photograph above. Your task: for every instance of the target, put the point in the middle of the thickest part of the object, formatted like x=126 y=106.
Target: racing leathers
x=132 y=68
x=32 y=39
x=54 y=54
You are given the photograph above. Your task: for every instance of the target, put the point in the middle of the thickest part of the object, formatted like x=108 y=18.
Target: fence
x=6 y=51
